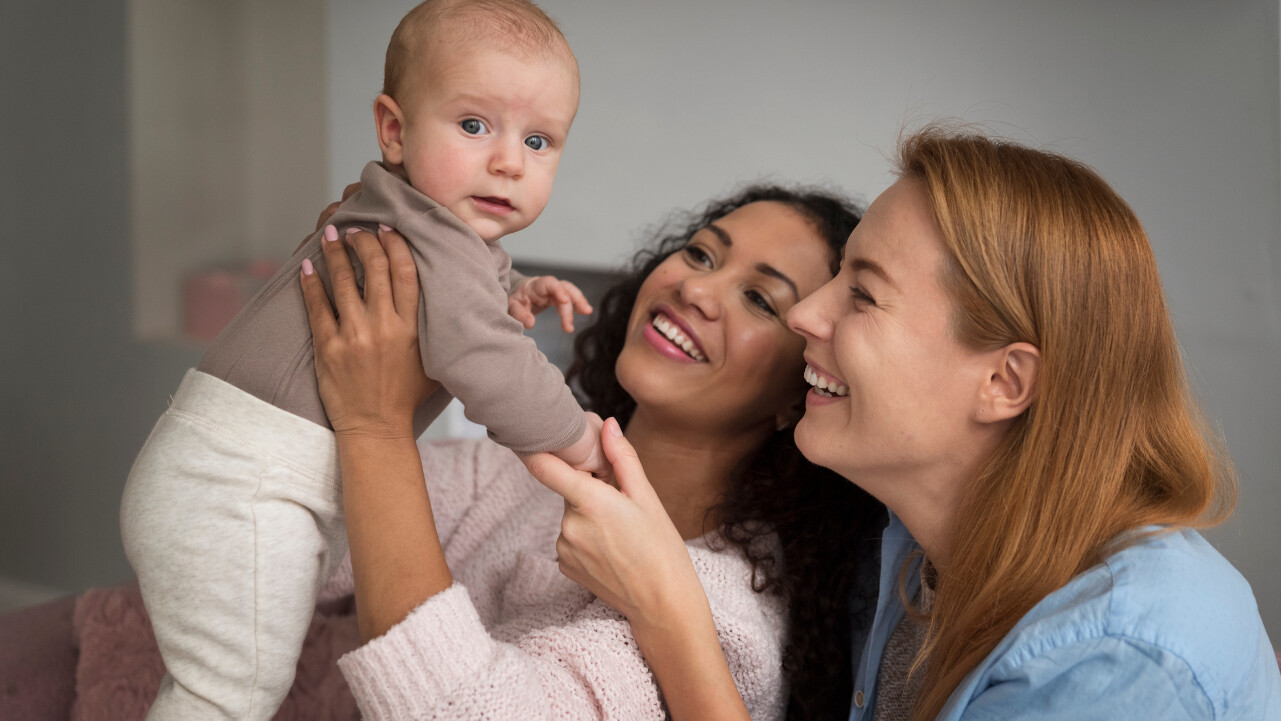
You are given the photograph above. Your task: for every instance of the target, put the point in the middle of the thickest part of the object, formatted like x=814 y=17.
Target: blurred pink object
x=119 y=669
x=212 y=297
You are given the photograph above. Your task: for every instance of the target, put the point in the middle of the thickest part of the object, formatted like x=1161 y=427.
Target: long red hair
x=1042 y=250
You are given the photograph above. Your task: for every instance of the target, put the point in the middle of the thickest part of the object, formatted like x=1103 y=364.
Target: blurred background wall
x=124 y=166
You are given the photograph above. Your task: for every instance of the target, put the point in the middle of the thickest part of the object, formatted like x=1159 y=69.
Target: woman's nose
x=808 y=318
x=704 y=293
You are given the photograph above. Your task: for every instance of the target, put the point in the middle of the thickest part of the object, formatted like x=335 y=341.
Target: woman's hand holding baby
x=329 y=211
x=367 y=361
x=371 y=380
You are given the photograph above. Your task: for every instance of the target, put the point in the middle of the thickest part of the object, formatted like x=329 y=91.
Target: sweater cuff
x=439 y=647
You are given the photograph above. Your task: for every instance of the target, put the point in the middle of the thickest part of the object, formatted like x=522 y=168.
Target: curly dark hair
x=826 y=525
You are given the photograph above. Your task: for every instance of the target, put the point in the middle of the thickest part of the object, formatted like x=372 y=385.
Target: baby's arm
x=476 y=350
x=531 y=296
x=586 y=453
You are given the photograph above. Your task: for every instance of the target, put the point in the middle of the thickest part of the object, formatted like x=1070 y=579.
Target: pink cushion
x=119 y=670
x=37 y=662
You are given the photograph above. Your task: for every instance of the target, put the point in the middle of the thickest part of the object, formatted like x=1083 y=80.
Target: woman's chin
x=649 y=379
x=808 y=441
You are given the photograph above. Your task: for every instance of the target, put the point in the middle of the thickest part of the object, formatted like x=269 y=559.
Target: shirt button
x=858 y=698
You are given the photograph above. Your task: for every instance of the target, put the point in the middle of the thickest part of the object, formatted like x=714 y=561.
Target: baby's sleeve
x=476 y=350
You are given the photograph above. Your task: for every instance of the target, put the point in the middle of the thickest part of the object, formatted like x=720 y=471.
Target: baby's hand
x=586 y=454
x=537 y=294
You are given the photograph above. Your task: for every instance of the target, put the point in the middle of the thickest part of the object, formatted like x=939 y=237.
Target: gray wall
x=1176 y=103
x=77 y=394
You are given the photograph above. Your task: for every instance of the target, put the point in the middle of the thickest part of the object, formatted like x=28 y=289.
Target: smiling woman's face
x=880 y=333
x=707 y=343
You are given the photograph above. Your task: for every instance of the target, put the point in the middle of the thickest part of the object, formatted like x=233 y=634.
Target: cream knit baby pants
x=232 y=519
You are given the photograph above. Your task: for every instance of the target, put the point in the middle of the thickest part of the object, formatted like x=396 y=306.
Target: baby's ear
x=390 y=122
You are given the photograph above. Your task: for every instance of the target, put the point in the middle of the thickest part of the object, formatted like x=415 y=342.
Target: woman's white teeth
x=827 y=387
x=674 y=334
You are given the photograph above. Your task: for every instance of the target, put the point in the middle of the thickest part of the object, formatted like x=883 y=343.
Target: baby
x=231 y=515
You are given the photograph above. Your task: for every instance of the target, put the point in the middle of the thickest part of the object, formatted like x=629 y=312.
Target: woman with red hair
x=996 y=363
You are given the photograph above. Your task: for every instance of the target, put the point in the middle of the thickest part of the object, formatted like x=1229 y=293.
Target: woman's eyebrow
x=864 y=264
x=773 y=272
x=764 y=268
x=721 y=234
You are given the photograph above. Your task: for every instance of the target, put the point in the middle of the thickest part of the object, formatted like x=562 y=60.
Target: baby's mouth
x=673 y=333
x=493 y=204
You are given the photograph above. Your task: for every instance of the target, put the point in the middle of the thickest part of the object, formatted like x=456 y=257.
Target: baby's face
x=484 y=136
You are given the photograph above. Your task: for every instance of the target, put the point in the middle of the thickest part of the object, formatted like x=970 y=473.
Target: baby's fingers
x=578 y=299
x=519 y=310
x=565 y=308
x=570 y=300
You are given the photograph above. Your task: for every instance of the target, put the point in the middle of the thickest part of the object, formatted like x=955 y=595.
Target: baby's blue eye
x=536 y=142
x=472 y=126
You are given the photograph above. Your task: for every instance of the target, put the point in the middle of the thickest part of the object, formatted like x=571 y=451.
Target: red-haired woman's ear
x=1012 y=384
x=390 y=125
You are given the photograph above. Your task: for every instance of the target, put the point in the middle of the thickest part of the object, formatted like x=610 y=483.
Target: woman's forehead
x=777 y=234
x=767 y=227
x=897 y=237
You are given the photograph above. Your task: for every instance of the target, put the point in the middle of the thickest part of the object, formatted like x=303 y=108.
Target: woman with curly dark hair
x=691 y=353
x=774 y=490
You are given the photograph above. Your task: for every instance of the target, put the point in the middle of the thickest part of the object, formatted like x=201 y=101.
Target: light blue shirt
x=1165 y=629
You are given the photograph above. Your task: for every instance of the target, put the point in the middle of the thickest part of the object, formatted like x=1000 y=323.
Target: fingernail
x=383 y=226
x=354 y=229
x=307 y=268
x=611 y=426
x=331 y=233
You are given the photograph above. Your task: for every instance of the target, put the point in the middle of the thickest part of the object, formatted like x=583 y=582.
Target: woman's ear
x=1011 y=384
x=390 y=123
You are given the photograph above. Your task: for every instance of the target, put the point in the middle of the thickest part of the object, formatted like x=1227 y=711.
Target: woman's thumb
x=628 y=472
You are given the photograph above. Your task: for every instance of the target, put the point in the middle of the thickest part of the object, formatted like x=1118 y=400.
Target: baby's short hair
x=516 y=26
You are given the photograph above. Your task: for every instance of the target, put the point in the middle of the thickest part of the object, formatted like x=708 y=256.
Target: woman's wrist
x=376 y=431
x=396 y=556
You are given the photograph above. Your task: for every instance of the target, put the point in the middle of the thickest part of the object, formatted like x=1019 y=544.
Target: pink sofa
x=38 y=662
x=94 y=658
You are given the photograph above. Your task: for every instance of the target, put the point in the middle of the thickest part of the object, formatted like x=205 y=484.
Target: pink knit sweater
x=514 y=639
